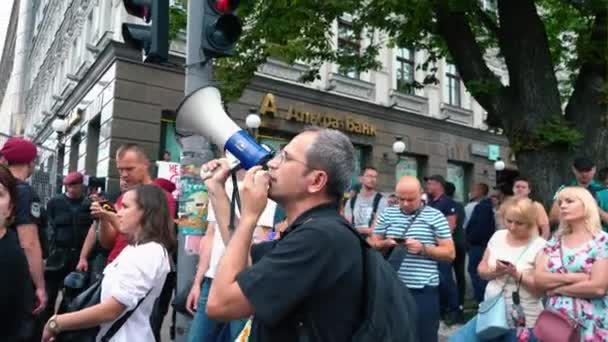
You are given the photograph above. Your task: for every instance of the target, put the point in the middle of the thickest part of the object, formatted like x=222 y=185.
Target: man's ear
x=319 y=181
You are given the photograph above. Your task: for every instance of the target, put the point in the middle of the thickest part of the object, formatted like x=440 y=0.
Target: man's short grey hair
x=333 y=153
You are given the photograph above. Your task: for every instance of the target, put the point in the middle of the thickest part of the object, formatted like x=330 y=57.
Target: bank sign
x=344 y=123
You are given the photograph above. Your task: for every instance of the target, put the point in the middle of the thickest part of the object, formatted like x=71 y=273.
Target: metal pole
x=196 y=150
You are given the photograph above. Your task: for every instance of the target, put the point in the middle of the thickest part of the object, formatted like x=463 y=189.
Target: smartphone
x=399 y=240
x=505 y=262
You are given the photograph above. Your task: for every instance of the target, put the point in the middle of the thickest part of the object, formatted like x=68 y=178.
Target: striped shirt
x=416 y=271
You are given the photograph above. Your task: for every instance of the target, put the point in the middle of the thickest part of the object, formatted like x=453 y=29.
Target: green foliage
x=554 y=132
x=177 y=21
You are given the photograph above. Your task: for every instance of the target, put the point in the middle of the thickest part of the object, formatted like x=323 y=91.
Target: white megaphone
x=202 y=113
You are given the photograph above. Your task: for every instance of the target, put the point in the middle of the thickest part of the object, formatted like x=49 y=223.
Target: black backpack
x=389 y=310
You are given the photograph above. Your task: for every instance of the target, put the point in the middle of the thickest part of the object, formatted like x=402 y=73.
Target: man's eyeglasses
x=283 y=156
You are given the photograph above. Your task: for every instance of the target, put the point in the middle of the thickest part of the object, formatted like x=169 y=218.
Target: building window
x=348 y=45
x=458 y=175
x=452 y=86
x=404 y=70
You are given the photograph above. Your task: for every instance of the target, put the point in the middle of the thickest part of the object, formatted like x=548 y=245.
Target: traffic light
x=153 y=39
x=221 y=28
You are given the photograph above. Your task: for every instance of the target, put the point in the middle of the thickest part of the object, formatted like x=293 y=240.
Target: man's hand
x=386 y=243
x=40 y=301
x=192 y=300
x=215 y=172
x=413 y=246
x=254 y=193
x=83 y=265
x=97 y=211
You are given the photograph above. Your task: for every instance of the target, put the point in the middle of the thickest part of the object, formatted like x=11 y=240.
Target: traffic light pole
x=196 y=151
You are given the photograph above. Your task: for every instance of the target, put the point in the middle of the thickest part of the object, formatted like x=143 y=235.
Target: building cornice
x=326 y=99
x=8 y=52
x=113 y=51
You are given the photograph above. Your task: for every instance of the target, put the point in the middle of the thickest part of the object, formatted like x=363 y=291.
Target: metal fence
x=44 y=180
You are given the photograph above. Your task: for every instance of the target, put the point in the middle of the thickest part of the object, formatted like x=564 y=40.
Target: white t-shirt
x=135 y=272
x=218 y=248
x=498 y=249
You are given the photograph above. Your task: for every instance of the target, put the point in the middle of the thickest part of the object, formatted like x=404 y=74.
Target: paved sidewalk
x=446 y=331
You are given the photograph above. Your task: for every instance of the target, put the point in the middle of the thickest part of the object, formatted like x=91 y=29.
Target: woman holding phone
x=508 y=265
x=134 y=280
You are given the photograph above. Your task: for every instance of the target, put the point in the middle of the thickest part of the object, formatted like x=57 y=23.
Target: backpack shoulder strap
x=121 y=321
x=352 y=207
x=375 y=204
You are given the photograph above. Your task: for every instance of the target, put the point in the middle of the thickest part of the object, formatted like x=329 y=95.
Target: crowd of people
x=280 y=265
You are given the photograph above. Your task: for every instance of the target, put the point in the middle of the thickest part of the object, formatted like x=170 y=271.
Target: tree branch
x=486 y=20
x=464 y=50
x=524 y=44
x=590 y=83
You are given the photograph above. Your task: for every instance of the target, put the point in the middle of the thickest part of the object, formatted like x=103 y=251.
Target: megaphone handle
x=235 y=200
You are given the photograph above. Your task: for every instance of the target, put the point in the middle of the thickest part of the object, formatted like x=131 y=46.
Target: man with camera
x=302 y=285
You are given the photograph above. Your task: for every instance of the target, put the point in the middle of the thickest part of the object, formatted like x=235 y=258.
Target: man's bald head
x=409 y=193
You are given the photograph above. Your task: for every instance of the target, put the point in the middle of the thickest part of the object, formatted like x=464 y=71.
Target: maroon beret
x=19 y=151
x=73 y=178
x=165 y=184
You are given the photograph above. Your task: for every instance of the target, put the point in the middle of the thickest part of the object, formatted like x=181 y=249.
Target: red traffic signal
x=226 y=6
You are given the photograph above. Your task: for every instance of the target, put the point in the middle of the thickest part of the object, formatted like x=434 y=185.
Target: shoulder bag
x=555 y=326
x=88 y=298
x=492 y=314
x=399 y=252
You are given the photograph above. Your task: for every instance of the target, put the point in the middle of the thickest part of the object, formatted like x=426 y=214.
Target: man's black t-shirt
x=15 y=276
x=314 y=271
x=29 y=210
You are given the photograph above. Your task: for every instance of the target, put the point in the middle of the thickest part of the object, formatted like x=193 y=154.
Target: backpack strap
x=121 y=321
x=377 y=199
x=352 y=207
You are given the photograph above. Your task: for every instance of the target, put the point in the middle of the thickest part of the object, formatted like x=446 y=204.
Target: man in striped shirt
x=426 y=235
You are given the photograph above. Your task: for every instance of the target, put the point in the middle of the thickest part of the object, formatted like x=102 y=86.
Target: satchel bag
x=399 y=252
x=554 y=326
x=88 y=298
x=492 y=314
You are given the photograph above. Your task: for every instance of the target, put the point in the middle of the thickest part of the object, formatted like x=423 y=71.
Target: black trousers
x=459 y=271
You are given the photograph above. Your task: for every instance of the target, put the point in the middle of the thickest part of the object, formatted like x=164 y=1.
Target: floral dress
x=591 y=313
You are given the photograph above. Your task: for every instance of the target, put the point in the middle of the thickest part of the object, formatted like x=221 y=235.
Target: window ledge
x=351 y=86
x=276 y=68
x=409 y=102
x=457 y=114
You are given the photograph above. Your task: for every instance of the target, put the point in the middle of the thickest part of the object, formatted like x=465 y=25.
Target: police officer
x=69 y=220
x=20 y=154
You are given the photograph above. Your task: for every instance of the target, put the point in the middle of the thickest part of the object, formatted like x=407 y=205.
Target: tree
x=553 y=107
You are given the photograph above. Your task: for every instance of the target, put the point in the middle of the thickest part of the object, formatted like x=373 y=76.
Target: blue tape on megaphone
x=247 y=150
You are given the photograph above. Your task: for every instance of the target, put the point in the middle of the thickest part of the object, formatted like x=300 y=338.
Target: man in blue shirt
x=424 y=231
x=448 y=292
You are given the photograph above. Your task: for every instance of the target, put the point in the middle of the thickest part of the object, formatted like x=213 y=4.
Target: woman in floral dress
x=580 y=278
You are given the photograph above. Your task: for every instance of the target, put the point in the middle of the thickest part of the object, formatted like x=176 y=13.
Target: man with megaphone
x=315 y=269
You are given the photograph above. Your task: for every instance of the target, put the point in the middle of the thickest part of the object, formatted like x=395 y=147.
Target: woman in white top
x=138 y=272
x=509 y=259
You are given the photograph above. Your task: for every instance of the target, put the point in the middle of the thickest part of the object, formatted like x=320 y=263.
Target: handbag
x=88 y=298
x=492 y=314
x=555 y=326
x=399 y=252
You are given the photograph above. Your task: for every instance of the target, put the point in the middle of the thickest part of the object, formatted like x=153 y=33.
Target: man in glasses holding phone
x=425 y=233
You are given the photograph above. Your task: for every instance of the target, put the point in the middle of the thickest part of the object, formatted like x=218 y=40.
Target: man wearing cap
x=69 y=221
x=583 y=169
x=448 y=292
x=20 y=154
